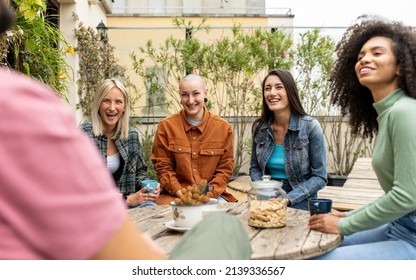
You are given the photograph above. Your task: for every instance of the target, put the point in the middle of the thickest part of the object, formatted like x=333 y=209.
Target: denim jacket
x=305 y=156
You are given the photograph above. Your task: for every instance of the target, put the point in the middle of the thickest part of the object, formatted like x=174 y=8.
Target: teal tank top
x=276 y=163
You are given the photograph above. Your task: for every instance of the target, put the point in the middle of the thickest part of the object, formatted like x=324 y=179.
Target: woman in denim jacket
x=288 y=144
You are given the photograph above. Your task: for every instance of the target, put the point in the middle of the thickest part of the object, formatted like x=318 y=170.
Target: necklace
x=192 y=122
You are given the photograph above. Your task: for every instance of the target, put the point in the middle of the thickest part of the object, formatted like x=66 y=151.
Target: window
x=155 y=89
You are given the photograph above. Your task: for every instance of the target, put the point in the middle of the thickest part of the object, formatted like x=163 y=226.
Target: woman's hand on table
x=338 y=213
x=179 y=194
x=148 y=196
x=327 y=223
x=142 y=196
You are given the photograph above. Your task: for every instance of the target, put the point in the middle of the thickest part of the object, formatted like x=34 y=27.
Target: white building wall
x=91 y=13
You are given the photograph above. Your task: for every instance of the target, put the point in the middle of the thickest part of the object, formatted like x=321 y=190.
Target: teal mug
x=149 y=185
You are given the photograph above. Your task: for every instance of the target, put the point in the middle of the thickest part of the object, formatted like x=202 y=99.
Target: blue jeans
x=388 y=242
x=302 y=205
x=144 y=204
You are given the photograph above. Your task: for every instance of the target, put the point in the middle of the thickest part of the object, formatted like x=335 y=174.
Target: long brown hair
x=292 y=94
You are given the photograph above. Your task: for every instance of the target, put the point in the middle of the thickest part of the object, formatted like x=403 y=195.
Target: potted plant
x=343 y=148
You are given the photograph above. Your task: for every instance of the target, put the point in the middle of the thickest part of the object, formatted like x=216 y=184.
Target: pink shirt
x=57 y=198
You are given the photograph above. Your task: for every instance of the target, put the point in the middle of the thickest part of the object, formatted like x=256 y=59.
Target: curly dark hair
x=354 y=99
x=292 y=94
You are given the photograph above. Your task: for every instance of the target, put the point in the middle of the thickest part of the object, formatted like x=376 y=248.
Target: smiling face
x=275 y=94
x=376 y=66
x=111 y=109
x=192 y=93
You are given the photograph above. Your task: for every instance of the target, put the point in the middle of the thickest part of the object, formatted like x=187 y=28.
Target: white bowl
x=210 y=212
x=187 y=216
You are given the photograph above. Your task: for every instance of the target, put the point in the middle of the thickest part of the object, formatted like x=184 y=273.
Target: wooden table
x=361 y=188
x=294 y=241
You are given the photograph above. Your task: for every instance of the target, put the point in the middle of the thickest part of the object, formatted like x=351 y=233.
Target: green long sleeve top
x=394 y=162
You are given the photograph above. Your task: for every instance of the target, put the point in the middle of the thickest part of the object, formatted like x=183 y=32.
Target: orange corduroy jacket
x=183 y=154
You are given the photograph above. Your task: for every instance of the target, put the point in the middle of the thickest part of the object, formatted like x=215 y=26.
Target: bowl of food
x=188 y=210
x=187 y=216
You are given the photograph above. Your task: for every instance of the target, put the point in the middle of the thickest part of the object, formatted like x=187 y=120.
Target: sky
x=341 y=13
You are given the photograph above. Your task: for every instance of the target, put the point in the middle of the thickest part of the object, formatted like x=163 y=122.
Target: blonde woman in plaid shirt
x=118 y=142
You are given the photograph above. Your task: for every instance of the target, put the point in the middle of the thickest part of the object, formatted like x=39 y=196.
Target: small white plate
x=212 y=201
x=171 y=225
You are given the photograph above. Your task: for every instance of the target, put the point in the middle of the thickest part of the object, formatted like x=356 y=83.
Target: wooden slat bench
x=239 y=187
x=361 y=188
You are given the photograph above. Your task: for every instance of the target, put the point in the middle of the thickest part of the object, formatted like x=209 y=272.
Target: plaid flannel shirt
x=135 y=168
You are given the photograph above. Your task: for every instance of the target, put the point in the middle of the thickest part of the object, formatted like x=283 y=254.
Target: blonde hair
x=97 y=124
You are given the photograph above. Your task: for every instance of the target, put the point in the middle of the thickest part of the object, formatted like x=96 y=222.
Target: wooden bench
x=361 y=188
x=239 y=187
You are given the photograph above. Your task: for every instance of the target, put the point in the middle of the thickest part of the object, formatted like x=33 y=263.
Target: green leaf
x=31 y=45
x=27 y=68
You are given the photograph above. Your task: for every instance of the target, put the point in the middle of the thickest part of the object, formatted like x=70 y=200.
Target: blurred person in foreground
x=192 y=145
x=288 y=144
x=374 y=83
x=119 y=143
x=57 y=198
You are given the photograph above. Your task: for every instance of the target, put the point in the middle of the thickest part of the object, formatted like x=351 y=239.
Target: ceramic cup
x=187 y=216
x=150 y=185
x=319 y=205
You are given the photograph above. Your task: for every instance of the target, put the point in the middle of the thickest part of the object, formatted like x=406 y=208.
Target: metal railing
x=201 y=11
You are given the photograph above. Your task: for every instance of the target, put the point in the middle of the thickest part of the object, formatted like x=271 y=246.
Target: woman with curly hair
x=374 y=83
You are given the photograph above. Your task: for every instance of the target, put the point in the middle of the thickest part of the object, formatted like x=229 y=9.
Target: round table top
x=291 y=242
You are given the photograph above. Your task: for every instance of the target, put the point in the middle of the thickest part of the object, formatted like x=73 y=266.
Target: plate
x=171 y=225
x=212 y=201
